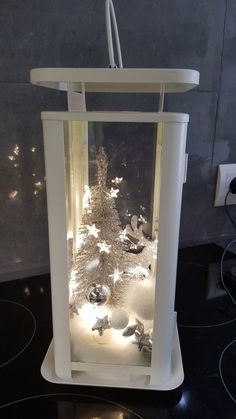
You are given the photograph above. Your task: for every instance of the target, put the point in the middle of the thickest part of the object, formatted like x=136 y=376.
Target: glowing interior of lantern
x=141 y=266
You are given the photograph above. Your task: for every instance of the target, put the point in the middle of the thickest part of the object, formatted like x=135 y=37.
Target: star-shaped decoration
x=101 y=325
x=117 y=180
x=93 y=230
x=116 y=276
x=104 y=247
x=114 y=193
x=143 y=340
x=130 y=330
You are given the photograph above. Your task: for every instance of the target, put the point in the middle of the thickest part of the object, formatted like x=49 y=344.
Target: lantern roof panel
x=128 y=80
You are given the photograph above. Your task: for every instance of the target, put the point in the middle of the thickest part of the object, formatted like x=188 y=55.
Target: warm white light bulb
x=13 y=194
x=117 y=180
x=16 y=150
x=11 y=157
x=139 y=271
x=38 y=184
x=92 y=264
x=79 y=239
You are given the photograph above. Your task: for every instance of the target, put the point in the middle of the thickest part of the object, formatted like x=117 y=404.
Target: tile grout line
x=219 y=87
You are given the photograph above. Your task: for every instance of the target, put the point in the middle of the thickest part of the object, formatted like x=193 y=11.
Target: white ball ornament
x=119 y=319
x=141 y=299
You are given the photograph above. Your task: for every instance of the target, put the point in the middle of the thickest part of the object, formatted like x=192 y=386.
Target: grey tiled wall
x=154 y=33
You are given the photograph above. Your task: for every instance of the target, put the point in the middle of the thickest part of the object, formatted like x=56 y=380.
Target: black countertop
x=207 y=328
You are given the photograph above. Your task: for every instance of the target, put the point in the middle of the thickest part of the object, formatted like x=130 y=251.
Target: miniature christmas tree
x=108 y=273
x=101 y=262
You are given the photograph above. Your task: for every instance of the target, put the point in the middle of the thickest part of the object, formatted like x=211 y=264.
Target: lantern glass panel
x=112 y=174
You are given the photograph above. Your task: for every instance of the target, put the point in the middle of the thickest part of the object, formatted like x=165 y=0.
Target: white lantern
x=114 y=189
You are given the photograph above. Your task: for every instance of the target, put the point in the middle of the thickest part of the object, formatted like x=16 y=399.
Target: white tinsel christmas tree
x=114 y=268
x=101 y=260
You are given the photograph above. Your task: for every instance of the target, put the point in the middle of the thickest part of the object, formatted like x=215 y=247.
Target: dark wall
x=154 y=33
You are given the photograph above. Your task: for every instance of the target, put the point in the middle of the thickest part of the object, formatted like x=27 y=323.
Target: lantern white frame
x=166 y=370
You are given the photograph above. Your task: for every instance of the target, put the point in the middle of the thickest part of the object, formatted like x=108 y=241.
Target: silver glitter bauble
x=98 y=294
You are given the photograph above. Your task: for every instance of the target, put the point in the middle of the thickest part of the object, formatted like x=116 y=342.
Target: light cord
x=228 y=211
x=232 y=299
x=111 y=18
x=33 y=333
x=220 y=370
x=222 y=271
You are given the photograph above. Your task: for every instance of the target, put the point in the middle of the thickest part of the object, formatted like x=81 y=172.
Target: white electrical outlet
x=226 y=172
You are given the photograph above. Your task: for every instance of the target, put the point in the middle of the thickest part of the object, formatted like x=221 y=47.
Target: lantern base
x=108 y=380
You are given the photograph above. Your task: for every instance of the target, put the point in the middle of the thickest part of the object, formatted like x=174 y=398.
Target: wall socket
x=226 y=172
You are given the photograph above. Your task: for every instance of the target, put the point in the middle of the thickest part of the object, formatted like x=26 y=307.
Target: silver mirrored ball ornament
x=97 y=294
